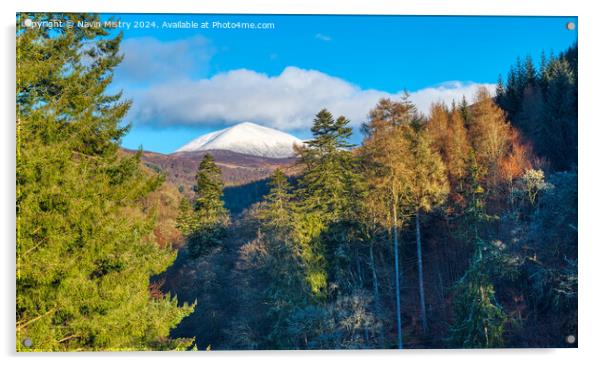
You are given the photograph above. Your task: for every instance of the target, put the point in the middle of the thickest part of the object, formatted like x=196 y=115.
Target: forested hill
x=475 y=202
x=244 y=176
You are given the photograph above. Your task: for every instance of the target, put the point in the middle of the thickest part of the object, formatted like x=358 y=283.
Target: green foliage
x=542 y=103
x=277 y=215
x=327 y=189
x=275 y=279
x=205 y=224
x=479 y=319
x=328 y=167
x=209 y=188
x=85 y=250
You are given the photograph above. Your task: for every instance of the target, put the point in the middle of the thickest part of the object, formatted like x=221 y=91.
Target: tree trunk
x=397 y=299
x=420 y=273
x=377 y=306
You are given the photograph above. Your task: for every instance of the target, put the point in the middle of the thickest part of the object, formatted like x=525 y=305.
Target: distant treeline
x=542 y=103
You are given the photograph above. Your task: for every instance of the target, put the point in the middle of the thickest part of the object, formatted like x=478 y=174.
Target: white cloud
x=323 y=37
x=287 y=101
x=150 y=60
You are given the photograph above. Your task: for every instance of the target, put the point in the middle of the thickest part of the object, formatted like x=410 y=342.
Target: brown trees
x=386 y=172
x=408 y=171
x=426 y=187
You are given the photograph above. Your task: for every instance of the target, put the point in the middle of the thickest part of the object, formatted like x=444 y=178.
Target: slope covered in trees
x=437 y=231
x=542 y=103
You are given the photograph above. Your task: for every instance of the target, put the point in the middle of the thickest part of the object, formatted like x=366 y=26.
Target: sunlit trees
x=542 y=103
x=384 y=151
x=489 y=133
x=85 y=246
x=325 y=191
x=425 y=187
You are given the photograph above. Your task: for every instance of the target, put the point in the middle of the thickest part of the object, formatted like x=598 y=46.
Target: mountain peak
x=246 y=138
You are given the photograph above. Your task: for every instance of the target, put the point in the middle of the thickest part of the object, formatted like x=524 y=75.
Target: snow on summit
x=247 y=138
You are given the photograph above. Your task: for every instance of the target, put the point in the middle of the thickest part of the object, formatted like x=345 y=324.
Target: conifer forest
x=455 y=228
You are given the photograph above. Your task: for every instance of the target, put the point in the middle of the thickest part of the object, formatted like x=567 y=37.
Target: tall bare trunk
x=420 y=273
x=397 y=299
x=377 y=306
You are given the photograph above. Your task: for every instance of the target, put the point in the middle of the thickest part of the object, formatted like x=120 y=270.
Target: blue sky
x=186 y=82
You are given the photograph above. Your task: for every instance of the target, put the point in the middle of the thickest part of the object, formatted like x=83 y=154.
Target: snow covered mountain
x=246 y=138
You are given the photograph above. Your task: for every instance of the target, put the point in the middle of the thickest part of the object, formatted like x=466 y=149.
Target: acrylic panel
x=295 y=182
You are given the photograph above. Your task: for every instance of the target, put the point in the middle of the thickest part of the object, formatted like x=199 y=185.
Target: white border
x=590 y=204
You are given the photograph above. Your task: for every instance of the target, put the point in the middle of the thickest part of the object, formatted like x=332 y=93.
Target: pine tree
x=283 y=263
x=185 y=221
x=479 y=319
x=277 y=213
x=209 y=188
x=85 y=249
x=464 y=110
x=541 y=103
x=560 y=115
x=326 y=191
x=328 y=165
x=209 y=217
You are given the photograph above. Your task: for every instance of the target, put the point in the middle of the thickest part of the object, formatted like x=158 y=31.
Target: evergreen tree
x=542 y=104
x=278 y=209
x=326 y=191
x=272 y=267
x=287 y=288
x=465 y=112
x=479 y=318
x=560 y=115
x=85 y=250
x=328 y=164
x=210 y=218
x=209 y=189
x=185 y=219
